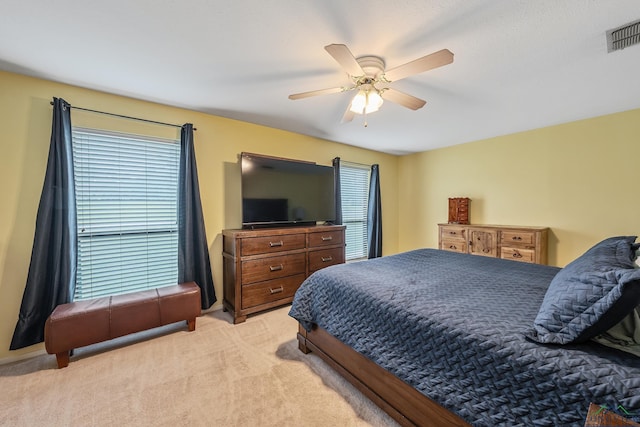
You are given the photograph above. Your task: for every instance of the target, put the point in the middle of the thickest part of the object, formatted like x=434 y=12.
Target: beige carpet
x=250 y=374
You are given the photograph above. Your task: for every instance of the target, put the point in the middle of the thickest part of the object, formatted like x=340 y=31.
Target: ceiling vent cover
x=624 y=36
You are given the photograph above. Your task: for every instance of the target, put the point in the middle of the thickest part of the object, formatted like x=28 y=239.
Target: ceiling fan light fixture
x=366 y=101
x=367 y=71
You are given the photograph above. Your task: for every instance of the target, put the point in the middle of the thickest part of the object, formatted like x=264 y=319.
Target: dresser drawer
x=519 y=243
x=453 y=233
x=262 y=269
x=454 y=245
x=324 y=258
x=270 y=244
x=326 y=238
x=270 y=290
x=509 y=237
x=518 y=254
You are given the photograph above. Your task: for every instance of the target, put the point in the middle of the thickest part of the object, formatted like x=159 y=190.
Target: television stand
x=263 y=268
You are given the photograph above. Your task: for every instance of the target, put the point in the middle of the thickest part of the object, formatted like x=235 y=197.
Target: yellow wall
x=578 y=178
x=25 y=119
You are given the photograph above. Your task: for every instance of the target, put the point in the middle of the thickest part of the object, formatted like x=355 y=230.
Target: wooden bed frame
x=402 y=402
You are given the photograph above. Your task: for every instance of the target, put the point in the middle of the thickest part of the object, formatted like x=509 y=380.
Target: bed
x=441 y=338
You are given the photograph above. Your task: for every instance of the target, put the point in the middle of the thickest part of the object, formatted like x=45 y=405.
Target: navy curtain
x=52 y=271
x=338 y=191
x=374 y=215
x=193 y=253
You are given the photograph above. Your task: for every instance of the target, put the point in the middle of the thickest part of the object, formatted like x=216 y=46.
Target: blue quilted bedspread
x=452 y=326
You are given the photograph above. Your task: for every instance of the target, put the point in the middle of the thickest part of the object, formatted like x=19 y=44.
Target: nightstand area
x=600 y=416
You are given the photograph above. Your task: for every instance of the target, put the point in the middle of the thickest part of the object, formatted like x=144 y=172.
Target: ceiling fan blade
x=345 y=58
x=420 y=65
x=316 y=93
x=348 y=114
x=403 y=99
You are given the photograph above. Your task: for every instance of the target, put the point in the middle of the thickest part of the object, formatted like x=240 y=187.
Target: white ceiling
x=519 y=64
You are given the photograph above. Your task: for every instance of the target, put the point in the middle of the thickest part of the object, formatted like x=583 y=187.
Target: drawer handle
x=452 y=232
x=453 y=247
x=327 y=238
x=486 y=250
x=516 y=238
x=276 y=290
x=517 y=255
x=275 y=244
x=276 y=267
x=327 y=259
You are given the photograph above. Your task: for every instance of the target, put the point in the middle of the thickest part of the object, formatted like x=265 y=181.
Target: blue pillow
x=590 y=295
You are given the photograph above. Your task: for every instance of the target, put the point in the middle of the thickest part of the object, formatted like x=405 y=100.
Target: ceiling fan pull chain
x=364 y=109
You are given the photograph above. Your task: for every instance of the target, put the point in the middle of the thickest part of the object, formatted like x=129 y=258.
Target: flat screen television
x=282 y=192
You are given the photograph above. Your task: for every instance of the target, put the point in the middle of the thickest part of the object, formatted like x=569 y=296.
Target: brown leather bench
x=81 y=323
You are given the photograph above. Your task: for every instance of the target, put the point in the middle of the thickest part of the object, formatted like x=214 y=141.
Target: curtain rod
x=127 y=117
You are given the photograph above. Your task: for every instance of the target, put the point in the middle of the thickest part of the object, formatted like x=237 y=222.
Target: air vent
x=624 y=36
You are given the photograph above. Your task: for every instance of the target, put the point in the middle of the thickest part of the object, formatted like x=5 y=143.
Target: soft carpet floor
x=251 y=374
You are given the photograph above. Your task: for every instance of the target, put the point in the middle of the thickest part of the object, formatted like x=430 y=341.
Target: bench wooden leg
x=62 y=359
x=192 y=325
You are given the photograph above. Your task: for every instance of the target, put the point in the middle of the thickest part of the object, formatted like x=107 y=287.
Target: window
x=127 y=212
x=354 y=187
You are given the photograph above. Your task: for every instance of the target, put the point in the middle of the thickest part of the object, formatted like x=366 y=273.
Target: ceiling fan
x=371 y=80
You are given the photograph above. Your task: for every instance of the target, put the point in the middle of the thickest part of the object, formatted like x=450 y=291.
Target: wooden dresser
x=263 y=268
x=526 y=244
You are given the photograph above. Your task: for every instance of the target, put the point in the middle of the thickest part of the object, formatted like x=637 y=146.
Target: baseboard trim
x=24 y=356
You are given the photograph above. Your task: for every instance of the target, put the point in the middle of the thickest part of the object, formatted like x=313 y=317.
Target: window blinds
x=354 y=187
x=126 y=196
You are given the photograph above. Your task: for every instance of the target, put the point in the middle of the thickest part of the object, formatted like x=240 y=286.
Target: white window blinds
x=126 y=196
x=354 y=188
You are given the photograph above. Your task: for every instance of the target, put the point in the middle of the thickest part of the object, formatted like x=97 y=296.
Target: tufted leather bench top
x=81 y=323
